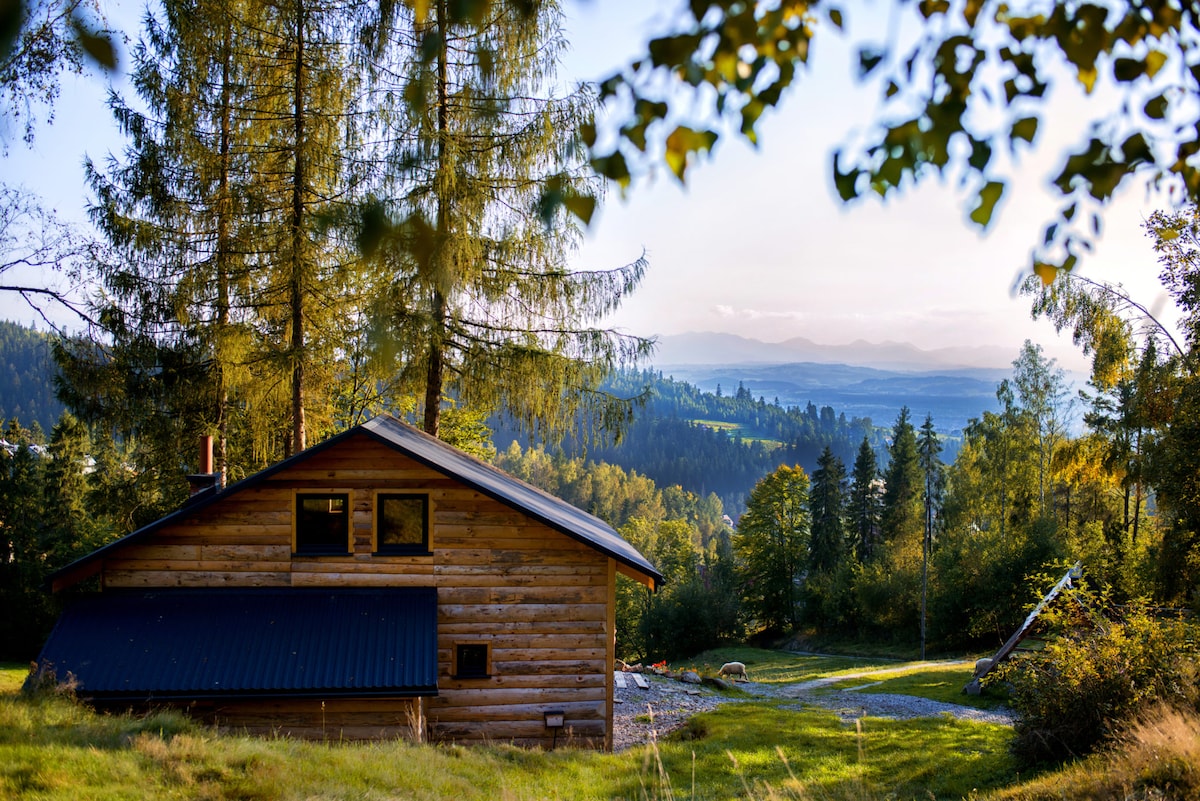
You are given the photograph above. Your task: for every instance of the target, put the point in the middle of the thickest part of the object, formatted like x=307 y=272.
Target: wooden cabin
x=379 y=584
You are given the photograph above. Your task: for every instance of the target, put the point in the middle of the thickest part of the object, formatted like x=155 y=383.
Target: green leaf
x=971 y=11
x=670 y=51
x=431 y=44
x=681 y=143
x=1046 y=272
x=1087 y=78
x=1135 y=149
x=835 y=16
x=928 y=8
x=587 y=132
x=97 y=44
x=981 y=215
x=1154 y=62
x=582 y=206
x=981 y=154
x=845 y=182
x=613 y=167
x=1128 y=69
x=374 y=226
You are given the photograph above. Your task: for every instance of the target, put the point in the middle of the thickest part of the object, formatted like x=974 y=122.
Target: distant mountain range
x=713 y=348
x=861 y=379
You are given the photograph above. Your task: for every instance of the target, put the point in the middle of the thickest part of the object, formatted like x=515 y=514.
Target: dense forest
x=27 y=391
x=710 y=443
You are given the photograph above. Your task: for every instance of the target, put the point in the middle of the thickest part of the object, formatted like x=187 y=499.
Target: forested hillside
x=27 y=388
x=710 y=443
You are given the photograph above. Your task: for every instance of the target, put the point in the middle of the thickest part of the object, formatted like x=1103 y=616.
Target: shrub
x=1096 y=677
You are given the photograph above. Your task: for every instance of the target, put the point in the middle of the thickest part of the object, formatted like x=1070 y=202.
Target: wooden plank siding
x=541 y=601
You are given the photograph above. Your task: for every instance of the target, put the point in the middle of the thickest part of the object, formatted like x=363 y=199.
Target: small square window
x=323 y=523
x=402 y=524
x=471 y=661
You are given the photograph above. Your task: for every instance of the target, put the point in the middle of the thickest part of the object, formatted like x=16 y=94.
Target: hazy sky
x=757 y=243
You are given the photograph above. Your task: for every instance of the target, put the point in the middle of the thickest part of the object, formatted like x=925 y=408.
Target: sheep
x=733 y=669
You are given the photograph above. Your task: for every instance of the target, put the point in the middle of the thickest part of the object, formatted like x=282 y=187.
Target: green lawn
x=52 y=748
x=778 y=667
x=937 y=683
x=733 y=428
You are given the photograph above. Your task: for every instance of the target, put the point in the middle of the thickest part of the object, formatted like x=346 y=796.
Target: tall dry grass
x=1156 y=758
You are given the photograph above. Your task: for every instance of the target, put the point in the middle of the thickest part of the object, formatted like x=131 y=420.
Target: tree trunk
x=435 y=375
x=224 y=251
x=297 y=295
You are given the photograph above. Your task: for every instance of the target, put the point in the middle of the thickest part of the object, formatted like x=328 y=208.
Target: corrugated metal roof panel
x=552 y=511
x=235 y=642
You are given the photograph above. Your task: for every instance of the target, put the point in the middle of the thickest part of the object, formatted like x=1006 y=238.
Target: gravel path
x=639 y=716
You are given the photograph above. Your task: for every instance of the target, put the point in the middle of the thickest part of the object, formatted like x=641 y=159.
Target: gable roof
x=437 y=455
x=219 y=642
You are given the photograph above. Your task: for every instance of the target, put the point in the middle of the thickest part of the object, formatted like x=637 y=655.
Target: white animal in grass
x=733 y=669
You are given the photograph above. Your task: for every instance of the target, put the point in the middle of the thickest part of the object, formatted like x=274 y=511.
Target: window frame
x=456 y=656
x=379 y=548
x=298 y=496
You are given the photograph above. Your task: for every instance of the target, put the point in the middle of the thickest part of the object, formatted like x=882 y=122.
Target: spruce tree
x=928 y=448
x=827 y=505
x=901 y=514
x=865 y=503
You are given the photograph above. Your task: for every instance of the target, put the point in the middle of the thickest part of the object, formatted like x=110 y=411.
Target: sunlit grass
x=943 y=684
x=805 y=754
x=52 y=748
x=12 y=676
x=779 y=667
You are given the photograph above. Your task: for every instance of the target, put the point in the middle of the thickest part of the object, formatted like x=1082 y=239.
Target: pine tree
x=901 y=513
x=865 y=504
x=928 y=448
x=827 y=506
x=482 y=307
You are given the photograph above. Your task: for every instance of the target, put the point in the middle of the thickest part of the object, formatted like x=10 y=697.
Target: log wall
x=541 y=602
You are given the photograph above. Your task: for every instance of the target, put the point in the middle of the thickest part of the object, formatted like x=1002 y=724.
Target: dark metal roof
x=491 y=481
x=446 y=459
x=217 y=643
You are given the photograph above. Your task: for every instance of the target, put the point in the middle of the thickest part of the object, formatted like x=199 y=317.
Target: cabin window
x=401 y=523
x=323 y=523
x=471 y=660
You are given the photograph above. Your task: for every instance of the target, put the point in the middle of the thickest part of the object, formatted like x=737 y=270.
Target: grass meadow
x=52 y=747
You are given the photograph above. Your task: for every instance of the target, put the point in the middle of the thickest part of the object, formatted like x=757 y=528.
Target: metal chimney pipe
x=206 y=454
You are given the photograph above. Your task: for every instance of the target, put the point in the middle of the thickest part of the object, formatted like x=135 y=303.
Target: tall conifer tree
x=901 y=514
x=865 y=503
x=827 y=505
x=483 y=309
x=220 y=271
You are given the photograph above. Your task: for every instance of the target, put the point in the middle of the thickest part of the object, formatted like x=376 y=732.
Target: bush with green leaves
x=1096 y=675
